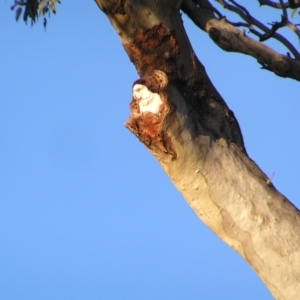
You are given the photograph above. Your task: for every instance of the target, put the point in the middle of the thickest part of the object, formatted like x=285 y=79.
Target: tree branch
x=231 y=39
x=294 y=3
x=284 y=10
x=246 y=16
x=273 y=4
x=289 y=4
x=294 y=28
x=196 y=138
x=284 y=22
x=275 y=27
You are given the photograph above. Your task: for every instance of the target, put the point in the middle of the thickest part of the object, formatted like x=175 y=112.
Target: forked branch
x=229 y=38
x=290 y=3
x=246 y=16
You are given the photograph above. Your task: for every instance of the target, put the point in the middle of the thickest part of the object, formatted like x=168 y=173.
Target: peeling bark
x=197 y=140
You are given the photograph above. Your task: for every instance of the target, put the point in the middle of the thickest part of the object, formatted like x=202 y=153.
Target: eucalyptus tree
x=178 y=114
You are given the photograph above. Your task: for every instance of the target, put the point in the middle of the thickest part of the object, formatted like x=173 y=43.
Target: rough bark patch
x=119 y=7
x=154 y=47
x=149 y=128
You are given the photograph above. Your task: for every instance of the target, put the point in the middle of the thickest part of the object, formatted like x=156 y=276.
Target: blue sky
x=85 y=211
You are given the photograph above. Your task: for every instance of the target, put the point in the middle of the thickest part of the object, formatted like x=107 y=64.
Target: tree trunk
x=198 y=142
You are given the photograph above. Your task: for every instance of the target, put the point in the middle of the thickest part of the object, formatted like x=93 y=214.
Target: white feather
x=148 y=101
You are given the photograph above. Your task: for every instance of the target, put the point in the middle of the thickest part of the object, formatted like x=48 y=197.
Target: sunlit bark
x=197 y=140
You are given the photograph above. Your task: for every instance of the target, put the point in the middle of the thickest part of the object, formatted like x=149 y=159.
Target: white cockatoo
x=147 y=100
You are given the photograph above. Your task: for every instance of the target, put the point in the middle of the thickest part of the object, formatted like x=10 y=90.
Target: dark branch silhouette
x=225 y=34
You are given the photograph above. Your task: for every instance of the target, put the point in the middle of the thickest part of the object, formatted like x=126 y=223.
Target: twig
x=251 y=20
x=229 y=38
x=275 y=26
x=283 y=9
x=241 y=8
x=294 y=28
x=273 y=4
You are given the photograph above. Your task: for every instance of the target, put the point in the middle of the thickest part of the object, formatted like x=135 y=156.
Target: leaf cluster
x=33 y=9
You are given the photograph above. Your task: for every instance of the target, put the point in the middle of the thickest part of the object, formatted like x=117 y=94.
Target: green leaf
x=18 y=13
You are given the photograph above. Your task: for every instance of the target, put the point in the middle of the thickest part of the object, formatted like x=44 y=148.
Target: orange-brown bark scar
x=142 y=54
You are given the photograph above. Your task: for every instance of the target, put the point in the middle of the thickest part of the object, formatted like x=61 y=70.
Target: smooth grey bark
x=197 y=140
